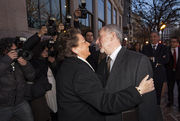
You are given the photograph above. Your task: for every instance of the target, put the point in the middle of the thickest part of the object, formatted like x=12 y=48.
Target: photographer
x=14 y=72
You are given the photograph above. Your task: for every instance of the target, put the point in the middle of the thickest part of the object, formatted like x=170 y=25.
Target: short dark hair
x=88 y=31
x=5 y=44
x=175 y=37
x=155 y=32
x=66 y=42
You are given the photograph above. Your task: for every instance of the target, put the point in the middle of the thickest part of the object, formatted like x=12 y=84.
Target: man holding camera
x=14 y=72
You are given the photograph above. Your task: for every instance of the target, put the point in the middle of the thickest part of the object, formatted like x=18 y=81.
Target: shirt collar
x=86 y=62
x=115 y=53
x=154 y=44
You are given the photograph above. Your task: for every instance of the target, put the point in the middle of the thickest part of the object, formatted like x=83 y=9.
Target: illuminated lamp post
x=163 y=26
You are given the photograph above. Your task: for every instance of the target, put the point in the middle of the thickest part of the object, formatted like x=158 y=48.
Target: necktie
x=108 y=64
x=174 y=56
x=154 y=48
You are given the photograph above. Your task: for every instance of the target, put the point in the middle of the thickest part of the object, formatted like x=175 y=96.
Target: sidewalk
x=170 y=114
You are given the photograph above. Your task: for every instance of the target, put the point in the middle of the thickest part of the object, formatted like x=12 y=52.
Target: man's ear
x=114 y=35
x=74 y=50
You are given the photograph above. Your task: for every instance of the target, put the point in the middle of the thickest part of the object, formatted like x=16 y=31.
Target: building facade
x=25 y=17
x=127 y=20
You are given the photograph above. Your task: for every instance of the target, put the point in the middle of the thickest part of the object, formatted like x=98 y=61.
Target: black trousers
x=171 y=83
x=158 y=84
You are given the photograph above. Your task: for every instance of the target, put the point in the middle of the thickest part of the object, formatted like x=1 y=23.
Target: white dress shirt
x=172 y=50
x=154 y=45
x=85 y=62
x=113 y=56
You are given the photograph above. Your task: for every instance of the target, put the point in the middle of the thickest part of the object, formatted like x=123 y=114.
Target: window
x=114 y=16
x=120 y=21
x=101 y=9
x=109 y=15
x=100 y=24
x=55 y=9
x=63 y=10
x=38 y=11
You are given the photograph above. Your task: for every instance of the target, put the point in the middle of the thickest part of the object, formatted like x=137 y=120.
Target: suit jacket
x=171 y=63
x=161 y=56
x=81 y=97
x=129 y=69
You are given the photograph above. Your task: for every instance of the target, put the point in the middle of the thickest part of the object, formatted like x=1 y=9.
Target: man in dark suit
x=158 y=55
x=173 y=71
x=126 y=68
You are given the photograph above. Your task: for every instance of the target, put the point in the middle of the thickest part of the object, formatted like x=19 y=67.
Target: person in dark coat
x=136 y=47
x=41 y=85
x=126 y=68
x=15 y=71
x=80 y=94
x=159 y=56
x=93 y=48
x=173 y=71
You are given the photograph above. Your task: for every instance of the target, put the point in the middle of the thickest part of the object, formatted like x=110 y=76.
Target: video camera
x=83 y=9
x=51 y=48
x=68 y=22
x=51 y=27
x=19 y=41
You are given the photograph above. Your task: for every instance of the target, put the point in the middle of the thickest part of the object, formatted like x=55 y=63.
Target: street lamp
x=163 y=26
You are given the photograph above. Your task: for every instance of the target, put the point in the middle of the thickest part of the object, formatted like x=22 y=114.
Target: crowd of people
x=71 y=77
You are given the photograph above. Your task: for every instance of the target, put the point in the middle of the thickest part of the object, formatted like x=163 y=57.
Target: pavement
x=170 y=113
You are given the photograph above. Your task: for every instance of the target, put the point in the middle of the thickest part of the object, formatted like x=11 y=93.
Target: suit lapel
x=158 y=48
x=116 y=65
x=178 y=55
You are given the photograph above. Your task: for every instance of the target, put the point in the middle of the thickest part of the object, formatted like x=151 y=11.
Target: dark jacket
x=12 y=83
x=171 y=64
x=41 y=84
x=129 y=69
x=161 y=56
x=81 y=97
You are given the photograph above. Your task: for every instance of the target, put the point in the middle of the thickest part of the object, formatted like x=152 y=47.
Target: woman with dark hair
x=137 y=47
x=41 y=85
x=80 y=94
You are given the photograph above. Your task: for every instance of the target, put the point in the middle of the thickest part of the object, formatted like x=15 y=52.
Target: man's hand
x=146 y=85
x=42 y=31
x=22 y=61
x=12 y=54
x=77 y=14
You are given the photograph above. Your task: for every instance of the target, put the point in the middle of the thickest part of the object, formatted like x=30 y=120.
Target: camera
x=83 y=9
x=68 y=22
x=24 y=53
x=51 y=48
x=19 y=41
x=51 y=27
